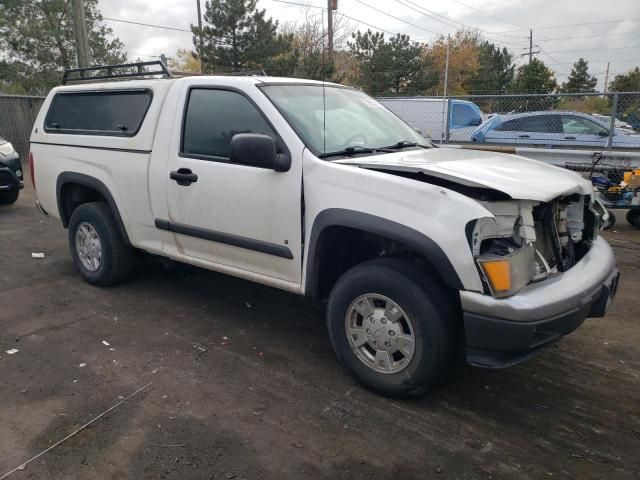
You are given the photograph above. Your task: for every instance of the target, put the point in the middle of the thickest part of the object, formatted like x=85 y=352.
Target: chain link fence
x=17 y=115
x=591 y=121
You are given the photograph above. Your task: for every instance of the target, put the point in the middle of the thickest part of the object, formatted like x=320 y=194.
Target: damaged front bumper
x=504 y=331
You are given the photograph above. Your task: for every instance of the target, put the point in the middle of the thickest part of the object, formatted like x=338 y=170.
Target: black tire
x=117 y=258
x=7 y=198
x=610 y=222
x=633 y=217
x=424 y=302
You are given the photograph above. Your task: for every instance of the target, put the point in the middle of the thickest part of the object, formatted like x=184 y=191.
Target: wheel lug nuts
x=392 y=333
x=384 y=320
x=387 y=344
x=368 y=332
x=375 y=342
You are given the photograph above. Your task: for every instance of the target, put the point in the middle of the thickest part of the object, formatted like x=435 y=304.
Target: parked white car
x=430 y=116
x=552 y=129
x=317 y=189
x=606 y=120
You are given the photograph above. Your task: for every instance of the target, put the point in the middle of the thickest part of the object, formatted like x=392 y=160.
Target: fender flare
x=90 y=182
x=417 y=241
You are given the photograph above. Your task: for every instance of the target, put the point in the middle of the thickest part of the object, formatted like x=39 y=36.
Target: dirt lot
x=245 y=384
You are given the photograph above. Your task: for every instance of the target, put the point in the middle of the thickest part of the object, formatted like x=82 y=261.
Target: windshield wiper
x=349 y=151
x=403 y=144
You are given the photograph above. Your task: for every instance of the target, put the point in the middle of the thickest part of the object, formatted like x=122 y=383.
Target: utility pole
x=446 y=115
x=531 y=53
x=606 y=79
x=331 y=6
x=200 y=41
x=80 y=28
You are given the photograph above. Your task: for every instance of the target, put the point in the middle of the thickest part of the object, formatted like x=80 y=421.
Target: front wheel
x=391 y=326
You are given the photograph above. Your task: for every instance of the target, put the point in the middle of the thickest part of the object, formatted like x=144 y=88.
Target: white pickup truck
x=317 y=189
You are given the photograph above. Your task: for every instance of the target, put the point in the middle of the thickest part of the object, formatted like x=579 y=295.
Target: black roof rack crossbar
x=136 y=69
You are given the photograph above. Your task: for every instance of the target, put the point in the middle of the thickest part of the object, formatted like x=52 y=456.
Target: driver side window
x=581 y=126
x=213 y=117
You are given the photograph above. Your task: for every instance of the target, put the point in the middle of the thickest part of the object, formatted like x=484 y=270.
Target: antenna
x=324 y=101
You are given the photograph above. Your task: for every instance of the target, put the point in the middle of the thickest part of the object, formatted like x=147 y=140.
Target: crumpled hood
x=518 y=177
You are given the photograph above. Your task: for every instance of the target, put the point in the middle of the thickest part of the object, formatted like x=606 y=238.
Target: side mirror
x=603 y=134
x=475 y=122
x=257 y=150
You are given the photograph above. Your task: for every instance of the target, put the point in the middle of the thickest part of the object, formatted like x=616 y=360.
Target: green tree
x=237 y=36
x=628 y=105
x=38 y=43
x=626 y=82
x=579 y=80
x=387 y=67
x=495 y=71
x=534 y=77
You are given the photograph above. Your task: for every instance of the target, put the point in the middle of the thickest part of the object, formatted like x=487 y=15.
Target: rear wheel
x=391 y=327
x=633 y=217
x=7 y=198
x=97 y=248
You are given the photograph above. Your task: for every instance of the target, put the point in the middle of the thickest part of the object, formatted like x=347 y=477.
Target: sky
x=563 y=30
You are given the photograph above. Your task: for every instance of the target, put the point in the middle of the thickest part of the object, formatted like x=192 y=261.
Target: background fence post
x=447 y=125
x=612 y=124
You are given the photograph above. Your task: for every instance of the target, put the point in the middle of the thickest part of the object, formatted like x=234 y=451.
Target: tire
x=421 y=301
x=611 y=221
x=633 y=217
x=7 y=198
x=94 y=221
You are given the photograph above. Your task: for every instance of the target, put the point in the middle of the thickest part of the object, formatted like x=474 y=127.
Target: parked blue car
x=552 y=129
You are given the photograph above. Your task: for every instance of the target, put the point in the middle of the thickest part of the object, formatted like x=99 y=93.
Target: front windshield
x=351 y=118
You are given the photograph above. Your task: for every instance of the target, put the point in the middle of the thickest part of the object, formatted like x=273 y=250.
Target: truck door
x=244 y=218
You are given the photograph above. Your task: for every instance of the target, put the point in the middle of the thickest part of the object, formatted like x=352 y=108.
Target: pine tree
x=579 y=80
x=534 y=77
x=394 y=66
x=495 y=71
x=38 y=42
x=237 y=36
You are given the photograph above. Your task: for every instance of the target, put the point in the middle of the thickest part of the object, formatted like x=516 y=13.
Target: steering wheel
x=358 y=136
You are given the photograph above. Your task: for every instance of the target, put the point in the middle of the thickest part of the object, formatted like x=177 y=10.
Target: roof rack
x=104 y=72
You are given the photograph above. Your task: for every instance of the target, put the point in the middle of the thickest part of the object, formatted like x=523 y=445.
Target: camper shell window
x=114 y=113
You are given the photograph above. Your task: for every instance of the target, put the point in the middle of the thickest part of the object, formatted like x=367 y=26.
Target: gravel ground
x=242 y=383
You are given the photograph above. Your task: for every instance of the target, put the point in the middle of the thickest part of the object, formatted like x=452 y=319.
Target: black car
x=11 y=176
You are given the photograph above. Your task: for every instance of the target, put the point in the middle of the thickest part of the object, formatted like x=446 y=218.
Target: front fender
x=419 y=242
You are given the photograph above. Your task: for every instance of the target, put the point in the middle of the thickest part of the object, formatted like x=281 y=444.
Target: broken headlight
x=506 y=267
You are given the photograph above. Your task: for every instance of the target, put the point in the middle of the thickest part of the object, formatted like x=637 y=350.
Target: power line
x=337 y=13
x=449 y=25
x=147 y=24
x=448 y=19
x=591 y=36
x=398 y=18
x=488 y=14
x=575 y=25
x=600 y=61
x=595 y=49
